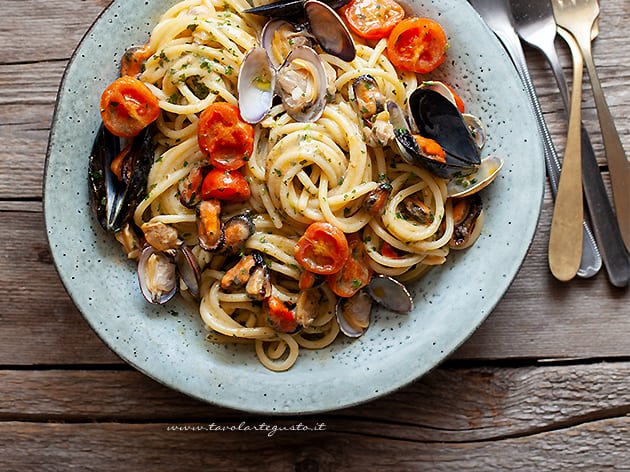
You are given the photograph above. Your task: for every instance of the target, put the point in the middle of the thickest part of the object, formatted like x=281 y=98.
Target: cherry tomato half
x=226 y=185
x=355 y=273
x=224 y=136
x=417 y=45
x=323 y=249
x=372 y=19
x=128 y=106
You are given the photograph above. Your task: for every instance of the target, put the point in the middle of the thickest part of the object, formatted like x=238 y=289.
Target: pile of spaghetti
x=325 y=198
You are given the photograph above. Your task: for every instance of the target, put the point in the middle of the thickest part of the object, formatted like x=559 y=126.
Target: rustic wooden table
x=544 y=384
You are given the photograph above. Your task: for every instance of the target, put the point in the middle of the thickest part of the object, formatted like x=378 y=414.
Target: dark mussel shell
x=113 y=200
x=437 y=118
x=288 y=8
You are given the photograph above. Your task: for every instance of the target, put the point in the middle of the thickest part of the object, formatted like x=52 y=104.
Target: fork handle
x=565 y=238
x=617 y=162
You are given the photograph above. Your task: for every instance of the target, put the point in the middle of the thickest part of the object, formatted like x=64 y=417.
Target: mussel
x=444 y=143
x=114 y=199
x=468 y=221
x=251 y=272
x=291 y=9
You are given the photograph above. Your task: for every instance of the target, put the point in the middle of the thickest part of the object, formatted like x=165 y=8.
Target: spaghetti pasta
x=299 y=173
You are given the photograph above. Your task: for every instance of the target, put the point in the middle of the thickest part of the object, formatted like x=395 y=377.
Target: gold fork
x=579 y=17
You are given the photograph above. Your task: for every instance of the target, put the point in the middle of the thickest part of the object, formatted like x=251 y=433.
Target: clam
x=279 y=37
x=301 y=84
x=329 y=30
x=256 y=85
x=157 y=275
x=114 y=198
x=390 y=294
x=160 y=271
x=353 y=314
x=464 y=185
x=468 y=221
x=188 y=269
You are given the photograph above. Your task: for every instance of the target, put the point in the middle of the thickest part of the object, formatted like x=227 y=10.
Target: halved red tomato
x=417 y=45
x=226 y=185
x=224 y=137
x=355 y=273
x=323 y=249
x=372 y=19
x=128 y=106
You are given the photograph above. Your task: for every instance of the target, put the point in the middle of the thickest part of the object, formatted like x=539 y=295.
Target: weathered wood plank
x=485 y=403
x=114 y=446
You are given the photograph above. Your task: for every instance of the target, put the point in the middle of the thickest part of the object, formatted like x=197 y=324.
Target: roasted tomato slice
x=417 y=45
x=323 y=249
x=225 y=185
x=372 y=19
x=224 y=137
x=128 y=106
x=355 y=273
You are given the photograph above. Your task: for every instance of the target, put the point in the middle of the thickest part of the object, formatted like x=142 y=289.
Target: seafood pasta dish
x=287 y=166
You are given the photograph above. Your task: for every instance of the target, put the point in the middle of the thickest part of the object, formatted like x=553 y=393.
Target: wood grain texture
x=543 y=384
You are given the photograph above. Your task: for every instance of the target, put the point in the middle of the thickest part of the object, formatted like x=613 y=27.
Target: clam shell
x=464 y=185
x=390 y=294
x=331 y=32
x=256 y=85
x=301 y=84
x=353 y=314
x=157 y=275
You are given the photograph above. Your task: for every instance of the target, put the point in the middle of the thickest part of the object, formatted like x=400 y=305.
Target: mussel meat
x=209 y=226
x=468 y=221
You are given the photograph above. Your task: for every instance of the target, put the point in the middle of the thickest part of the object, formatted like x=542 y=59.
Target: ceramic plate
x=168 y=343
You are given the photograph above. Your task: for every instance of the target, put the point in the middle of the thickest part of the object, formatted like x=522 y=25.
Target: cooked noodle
x=299 y=173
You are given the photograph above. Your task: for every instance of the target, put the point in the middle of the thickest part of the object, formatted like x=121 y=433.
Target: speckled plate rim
x=167 y=343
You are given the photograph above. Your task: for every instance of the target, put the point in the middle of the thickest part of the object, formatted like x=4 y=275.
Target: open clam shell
x=464 y=185
x=390 y=294
x=301 y=84
x=256 y=85
x=157 y=275
x=353 y=314
x=331 y=32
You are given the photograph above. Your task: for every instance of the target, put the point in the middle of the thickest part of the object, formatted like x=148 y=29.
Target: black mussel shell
x=114 y=201
x=439 y=119
x=288 y=8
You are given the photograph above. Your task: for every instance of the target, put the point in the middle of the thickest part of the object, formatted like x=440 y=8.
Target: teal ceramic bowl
x=168 y=343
